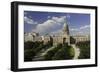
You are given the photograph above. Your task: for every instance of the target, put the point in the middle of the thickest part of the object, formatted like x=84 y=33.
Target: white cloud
x=81 y=30
x=68 y=16
x=61 y=19
x=58 y=32
x=29 y=20
x=74 y=29
x=84 y=27
x=46 y=26
x=49 y=17
x=49 y=25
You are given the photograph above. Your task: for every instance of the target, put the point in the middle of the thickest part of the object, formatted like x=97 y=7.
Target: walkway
x=77 y=51
x=40 y=55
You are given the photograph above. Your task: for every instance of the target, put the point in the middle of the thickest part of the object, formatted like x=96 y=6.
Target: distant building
x=63 y=38
x=28 y=37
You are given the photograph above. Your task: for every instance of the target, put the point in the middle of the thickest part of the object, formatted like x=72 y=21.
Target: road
x=77 y=51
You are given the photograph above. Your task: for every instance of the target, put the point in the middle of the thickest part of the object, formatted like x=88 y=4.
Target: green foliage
x=84 y=50
x=28 y=45
x=32 y=48
x=51 y=53
x=66 y=52
x=72 y=40
x=28 y=55
x=59 y=52
x=60 y=55
x=72 y=52
x=59 y=46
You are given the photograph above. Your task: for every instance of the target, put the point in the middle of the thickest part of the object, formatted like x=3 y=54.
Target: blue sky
x=52 y=22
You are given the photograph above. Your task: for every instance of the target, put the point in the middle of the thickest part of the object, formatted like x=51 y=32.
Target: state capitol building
x=64 y=37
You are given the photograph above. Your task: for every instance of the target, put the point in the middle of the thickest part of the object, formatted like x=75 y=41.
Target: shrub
x=28 y=55
x=84 y=50
x=28 y=45
x=51 y=53
x=66 y=52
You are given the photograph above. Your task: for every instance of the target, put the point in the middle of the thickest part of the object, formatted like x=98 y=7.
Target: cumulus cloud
x=49 y=17
x=74 y=29
x=46 y=26
x=58 y=32
x=81 y=30
x=85 y=27
x=29 y=20
x=51 y=24
x=61 y=19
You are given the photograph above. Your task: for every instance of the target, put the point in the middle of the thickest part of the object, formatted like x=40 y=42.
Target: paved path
x=44 y=53
x=77 y=51
x=40 y=55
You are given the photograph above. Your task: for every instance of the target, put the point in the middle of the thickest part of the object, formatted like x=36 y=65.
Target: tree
x=50 y=53
x=28 y=45
x=66 y=52
x=84 y=49
x=28 y=55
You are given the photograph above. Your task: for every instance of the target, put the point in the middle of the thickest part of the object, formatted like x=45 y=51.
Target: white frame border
x=37 y=64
